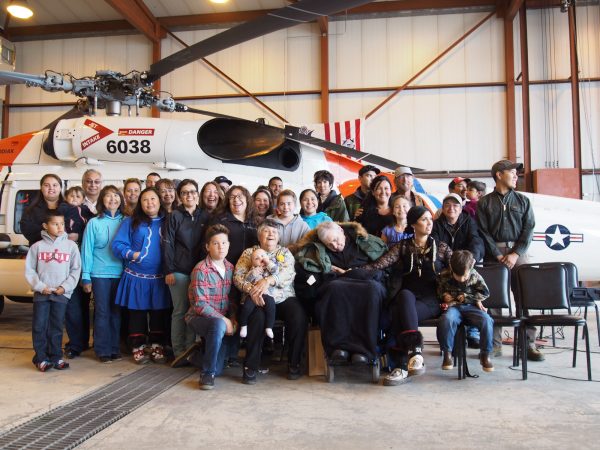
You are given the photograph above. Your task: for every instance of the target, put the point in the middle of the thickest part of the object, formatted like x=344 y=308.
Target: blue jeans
x=212 y=330
x=470 y=315
x=47 y=328
x=181 y=336
x=74 y=322
x=107 y=316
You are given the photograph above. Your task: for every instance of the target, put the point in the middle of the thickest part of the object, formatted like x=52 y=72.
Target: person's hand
x=500 y=258
x=87 y=287
x=170 y=279
x=136 y=255
x=73 y=237
x=338 y=270
x=460 y=298
x=358 y=213
x=59 y=290
x=447 y=298
x=46 y=291
x=265 y=261
x=510 y=260
x=481 y=307
x=229 y=325
x=257 y=291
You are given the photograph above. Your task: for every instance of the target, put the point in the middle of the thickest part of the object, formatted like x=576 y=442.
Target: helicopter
x=122 y=146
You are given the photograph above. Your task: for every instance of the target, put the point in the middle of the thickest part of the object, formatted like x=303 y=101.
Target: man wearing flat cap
x=354 y=201
x=506 y=221
x=403 y=180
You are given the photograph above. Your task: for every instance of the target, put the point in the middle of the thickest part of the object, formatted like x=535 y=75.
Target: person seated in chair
x=462 y=291
x=347 y=300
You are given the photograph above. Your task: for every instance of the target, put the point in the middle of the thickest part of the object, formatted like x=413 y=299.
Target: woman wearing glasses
x=182 y=249
x=166 y=192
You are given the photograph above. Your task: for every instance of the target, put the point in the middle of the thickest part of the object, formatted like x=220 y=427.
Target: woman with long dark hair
x=377 y=213
x=142 y=289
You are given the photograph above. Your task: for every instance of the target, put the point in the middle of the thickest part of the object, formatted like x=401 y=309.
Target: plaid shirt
x=474 y=289
x=208 y=291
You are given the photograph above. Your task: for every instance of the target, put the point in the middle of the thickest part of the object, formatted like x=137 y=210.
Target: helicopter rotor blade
x=7 y=77
x=300 y=12
x=180 y=107
x=295 y=134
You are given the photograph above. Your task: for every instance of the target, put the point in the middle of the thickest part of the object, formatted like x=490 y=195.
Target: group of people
x=195 y=269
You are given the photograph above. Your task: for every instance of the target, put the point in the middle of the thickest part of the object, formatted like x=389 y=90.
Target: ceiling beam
x=513 y=9
x=138 y=15
x=141 y=21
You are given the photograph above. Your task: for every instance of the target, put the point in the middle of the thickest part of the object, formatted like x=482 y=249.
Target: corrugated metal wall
x=437 y=129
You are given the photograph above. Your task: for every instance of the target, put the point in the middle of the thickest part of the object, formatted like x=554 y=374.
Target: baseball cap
x=223 y=179
x=454 y=197
x=457 y=180
x=505 y=164
x=368 y=168
x=402 y=170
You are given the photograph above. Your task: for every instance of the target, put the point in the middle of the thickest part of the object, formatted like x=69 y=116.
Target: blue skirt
x=143 y=293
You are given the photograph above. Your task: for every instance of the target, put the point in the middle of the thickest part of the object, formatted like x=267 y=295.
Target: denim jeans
x=74 y=322
x=107 y=316
x=470 y=315
x=181 y=336
x=212 y=330
x=47 y=328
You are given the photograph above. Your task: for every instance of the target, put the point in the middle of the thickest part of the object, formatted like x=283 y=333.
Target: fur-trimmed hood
x=312 y=237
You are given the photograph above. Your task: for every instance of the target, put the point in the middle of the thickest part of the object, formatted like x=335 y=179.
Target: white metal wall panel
x=548 y=42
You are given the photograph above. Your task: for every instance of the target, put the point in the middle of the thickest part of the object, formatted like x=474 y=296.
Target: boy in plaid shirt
x=211 y=314
x=462 y=290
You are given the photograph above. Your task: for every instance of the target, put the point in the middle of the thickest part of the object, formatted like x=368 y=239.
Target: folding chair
x=497 y=278
x=545 y=287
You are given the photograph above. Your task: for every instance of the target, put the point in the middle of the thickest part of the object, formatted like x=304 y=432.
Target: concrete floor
x=497 y=410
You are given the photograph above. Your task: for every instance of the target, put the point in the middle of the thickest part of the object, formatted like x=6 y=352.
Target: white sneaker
x=398 y=376
x=269 y=332
x=416 y=365
x=244 y=331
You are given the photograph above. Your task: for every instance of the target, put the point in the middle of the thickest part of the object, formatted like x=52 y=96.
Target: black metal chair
x=497 y=278
x=459 y=352
x=545 y=287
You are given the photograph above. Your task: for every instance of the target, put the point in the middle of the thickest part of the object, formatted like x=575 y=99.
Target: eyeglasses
x=188 y=193
x=93 y=181
x=237 y=197
x=166 y=191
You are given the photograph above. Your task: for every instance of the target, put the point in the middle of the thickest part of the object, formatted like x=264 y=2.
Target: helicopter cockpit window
x=22 y=201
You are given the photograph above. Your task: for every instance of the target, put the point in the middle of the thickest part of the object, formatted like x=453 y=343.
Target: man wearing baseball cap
x=403 y=180
x=224 y=182
x=459 y=186
x=354 y=201
x=506 y=222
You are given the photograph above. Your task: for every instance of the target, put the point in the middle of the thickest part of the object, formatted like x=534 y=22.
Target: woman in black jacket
x=182 y=249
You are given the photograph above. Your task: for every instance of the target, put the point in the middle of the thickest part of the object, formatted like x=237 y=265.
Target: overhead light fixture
x=19 y=9
x=219 y=1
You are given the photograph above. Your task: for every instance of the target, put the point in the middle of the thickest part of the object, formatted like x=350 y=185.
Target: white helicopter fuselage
x=125 y=147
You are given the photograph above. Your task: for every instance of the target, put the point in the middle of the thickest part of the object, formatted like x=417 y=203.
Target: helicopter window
x=22 y=201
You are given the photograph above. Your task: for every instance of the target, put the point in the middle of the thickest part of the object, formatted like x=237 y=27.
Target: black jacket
x=464 y=236
x=182 y=242
x=242 y=235
x=33 y=218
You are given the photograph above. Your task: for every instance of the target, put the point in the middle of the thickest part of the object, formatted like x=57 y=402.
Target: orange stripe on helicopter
x=11 y=148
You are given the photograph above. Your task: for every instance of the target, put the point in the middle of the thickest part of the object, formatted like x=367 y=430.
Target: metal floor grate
x=69 y=425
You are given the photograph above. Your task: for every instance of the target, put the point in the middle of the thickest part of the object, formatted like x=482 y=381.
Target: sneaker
x=398 y=376
x=182 y=360
x=157 y=354
x=416 y=365
x=447 y=363
x=244 y=331
x=534 y=354
x=294 y=373
x=249 y=376
x=139 y=355
x=497 y=351
x=105 y=359
x=207 y=381
x=116 y=357
x=472 y=342
x=44 y=366
x=486 y=362
x=269 y=333
x=61 y=364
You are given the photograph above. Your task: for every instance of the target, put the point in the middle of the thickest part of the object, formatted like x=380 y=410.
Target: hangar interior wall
x=438 y=128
